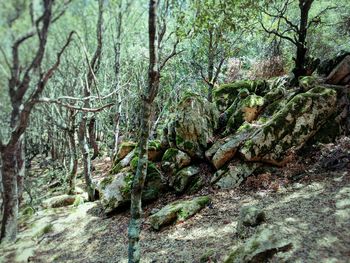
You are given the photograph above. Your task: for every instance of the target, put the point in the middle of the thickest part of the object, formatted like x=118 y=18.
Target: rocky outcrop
x=173 y=160
x=177 y=211
x=291 y=127
x=192 y=128
x=184 y=178
x=340 y=75
x=59 y=201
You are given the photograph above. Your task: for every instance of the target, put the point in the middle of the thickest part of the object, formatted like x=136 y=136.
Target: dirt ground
x=316 y=209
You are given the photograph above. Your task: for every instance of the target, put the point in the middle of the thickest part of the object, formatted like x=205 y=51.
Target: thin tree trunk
x=10 y=195
x=92 y=138
x=210 y=66
x=73 y=167
x=147 y=100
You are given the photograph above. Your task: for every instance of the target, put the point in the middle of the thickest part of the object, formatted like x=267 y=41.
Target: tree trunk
x=210 y=66
x=73 y=163
x=300 y=60
x=147 y=100
x=10 y=195
x=92 y=138
x=84 y=147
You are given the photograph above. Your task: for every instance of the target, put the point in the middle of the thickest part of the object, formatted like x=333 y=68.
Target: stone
x=233 y=175
x=115 y=190
x=228 y=148
x=193 y=125
x=291 y=127
x=173 y=160
x=59 y=201
x=226 y=94
x=247 y=110
x=262 y=246
x=177 y=211
x=249 y=216
x=183 y=178
x=125 y=162
x=340 y=73
x=124 y=149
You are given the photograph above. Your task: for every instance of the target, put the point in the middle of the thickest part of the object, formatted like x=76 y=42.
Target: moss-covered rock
x=59 y=201
x=247 y=110
x=262 y=246
x=249 y=216
x=308 y=82
x=233 y=175
x=226 y=94
x=177 y=211
x=173 y=160
x=115 y=190
x=193 y=125
x=155 y=151
x=124 y=149
x=125 y=162
x=183 y=178
x=291 y=127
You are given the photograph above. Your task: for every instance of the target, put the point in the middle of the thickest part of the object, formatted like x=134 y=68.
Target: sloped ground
x=316 y=210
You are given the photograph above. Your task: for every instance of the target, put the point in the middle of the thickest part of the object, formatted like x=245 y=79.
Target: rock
x=124 y=149
x=226 y=94
x=249 y=216
x=177 y=211
x=308 y=82
x=291 y=127
x=326 y=66
x=173 y=160
x=262 y=246
x=119 y=165
x=233 y=175
x=340 y=74
x=155 y=151
x=195 y=121
x=115 y=190
x=59 y=201
x=183 y=178
x=246 y=110
x=228 y=148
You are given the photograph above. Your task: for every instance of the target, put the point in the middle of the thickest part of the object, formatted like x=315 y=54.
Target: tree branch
x=73 y=107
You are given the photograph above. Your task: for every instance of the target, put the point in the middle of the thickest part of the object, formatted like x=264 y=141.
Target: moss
x=188 y=145
x=155 y=144
x=134 y=163
x=79 y=200
x=106 y=181
x=179 y=140
x=128 y=144
x=129 y=177
x=45 y=230
x=28 y=211
x=116 y=169
x=169 y=154
x=207 y=256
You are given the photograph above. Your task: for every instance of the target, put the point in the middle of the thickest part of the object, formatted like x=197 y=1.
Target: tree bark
x=300 y=60
x=73 y=166
x=210 y=66
x=147 y=101
x=92 y=137
x=10 y=195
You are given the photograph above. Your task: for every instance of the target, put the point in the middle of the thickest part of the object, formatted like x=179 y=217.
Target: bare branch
x=73 y=107
x=275 y=32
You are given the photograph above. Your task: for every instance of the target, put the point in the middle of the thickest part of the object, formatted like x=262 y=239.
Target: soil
x=316 y=207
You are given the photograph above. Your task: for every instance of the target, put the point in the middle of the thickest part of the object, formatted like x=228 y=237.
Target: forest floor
x=316 y=209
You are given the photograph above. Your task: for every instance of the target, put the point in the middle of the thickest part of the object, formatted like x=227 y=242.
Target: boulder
x=308 y=82
x=341 y=73
x=226 y=94
x=124 y=149
x=115 y=190
x=245 y=110
x=193 y=125
x=249 y=216
x=291 y=127
x=262 y=246
x=177 y=211
x=59 y=201
x=173 y=160
x=183 y=178
x=155 y=151
x=125 y=162
x=233 y=175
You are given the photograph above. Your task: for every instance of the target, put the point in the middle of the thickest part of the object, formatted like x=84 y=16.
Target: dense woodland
x=150 y=111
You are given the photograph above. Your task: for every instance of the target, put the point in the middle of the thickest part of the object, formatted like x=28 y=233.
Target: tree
x=294 y=30
x=19 y=85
